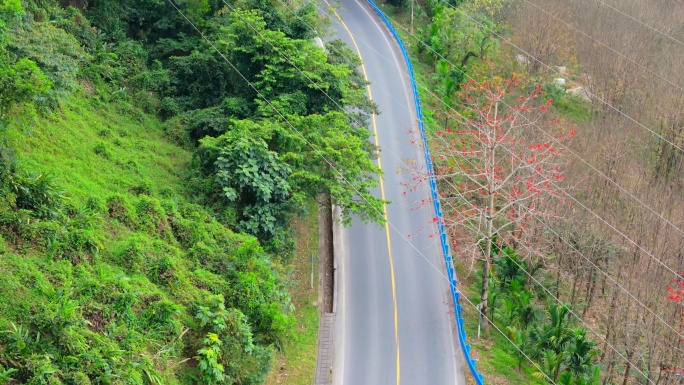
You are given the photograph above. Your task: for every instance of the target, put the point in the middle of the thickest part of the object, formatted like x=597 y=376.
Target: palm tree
x=447 y=85
x=563 y=349
x=549 y=340
x=580 y=352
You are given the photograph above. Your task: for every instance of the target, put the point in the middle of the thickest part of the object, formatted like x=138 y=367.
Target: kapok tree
x=497 y=172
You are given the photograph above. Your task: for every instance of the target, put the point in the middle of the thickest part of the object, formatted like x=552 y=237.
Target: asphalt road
x=394 y=322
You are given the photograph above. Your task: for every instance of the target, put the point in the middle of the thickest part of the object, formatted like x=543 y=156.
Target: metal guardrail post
x=455 y=294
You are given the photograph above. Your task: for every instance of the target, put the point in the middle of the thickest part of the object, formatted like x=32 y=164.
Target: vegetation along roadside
x=549 y=147
x=155 y=211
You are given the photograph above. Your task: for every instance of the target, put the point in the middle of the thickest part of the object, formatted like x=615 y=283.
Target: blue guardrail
x=455 y=294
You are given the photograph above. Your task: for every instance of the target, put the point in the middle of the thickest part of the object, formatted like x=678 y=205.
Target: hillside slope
x=150 y=181
x=110 y=273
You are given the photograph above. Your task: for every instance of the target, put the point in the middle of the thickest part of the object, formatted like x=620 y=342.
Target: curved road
x=394 y=321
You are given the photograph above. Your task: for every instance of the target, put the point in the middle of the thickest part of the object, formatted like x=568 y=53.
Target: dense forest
x=152 y=157
x=557 y=133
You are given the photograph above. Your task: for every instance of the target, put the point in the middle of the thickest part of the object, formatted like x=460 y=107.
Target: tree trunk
x=489 y=219
x=609 y=324
x=609 y=377
x=412 y=1
x=625 y=380
x=590 y=295
x=558 y=274
x=574 y=288
x=484 y=295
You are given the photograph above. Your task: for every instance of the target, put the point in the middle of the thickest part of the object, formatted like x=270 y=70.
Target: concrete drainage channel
x=328 y=233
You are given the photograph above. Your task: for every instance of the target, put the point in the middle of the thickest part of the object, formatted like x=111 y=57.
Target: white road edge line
x=339 y=240
x=393 y=47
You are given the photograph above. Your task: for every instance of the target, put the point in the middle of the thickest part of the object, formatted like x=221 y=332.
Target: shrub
x=163 y=315
x=95 y=205
x=80 y=242
x=102 y=149
x=153 y=80
x=203 y=254
x=38 y=193
x=150 y=216
x=209 y=281
x=148 y=101
x=77 y=378
x=142 y=188
x=169 y=107
x=134 y=253
x=55 y=52
x=120 y=209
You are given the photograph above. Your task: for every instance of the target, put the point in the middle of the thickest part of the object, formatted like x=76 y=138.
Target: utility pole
x=312 y=269
x=412 y=16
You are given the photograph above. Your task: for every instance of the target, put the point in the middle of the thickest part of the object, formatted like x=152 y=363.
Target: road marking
x=382 y=193
x=457 y=366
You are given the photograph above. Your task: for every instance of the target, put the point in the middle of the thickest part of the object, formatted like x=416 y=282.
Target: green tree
x=559 y=347
x=306 y=162
x=457 y=37
x=448 y=82
x=329 y=155
x=253 y=177
x=293 y=74
x=20 y=80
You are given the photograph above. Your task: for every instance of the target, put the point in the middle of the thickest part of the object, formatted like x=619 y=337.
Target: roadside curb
x=327 y=294
x=337 y=244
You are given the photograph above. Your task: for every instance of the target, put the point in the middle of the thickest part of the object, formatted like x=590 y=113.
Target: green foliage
x=229 y=328
x=57 y=54
x=563 y=351
x=398 y=3
x=571 y=106
x=263 y=183
x=151 y=216
x=253 y=177
x=36 y=192
x=10 y=9
x=561 y=348
x=210 y=355
x=457 y=37
x=158 y=242
x=124 y=261
x=120 y=209
x=21 y=81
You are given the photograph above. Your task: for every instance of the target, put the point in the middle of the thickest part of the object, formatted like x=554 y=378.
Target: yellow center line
x=382 y=191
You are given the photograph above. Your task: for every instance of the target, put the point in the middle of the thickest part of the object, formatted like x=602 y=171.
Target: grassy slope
x=96 y=149
x=111 y=297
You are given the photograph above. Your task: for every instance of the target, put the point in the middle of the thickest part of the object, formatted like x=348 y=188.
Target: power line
x=304 y=138
x=605 y=45
x=567 y=194
x=339 y=173
x=581 y=204
x=558 y=235
x=485 y=28
x=582 y=159
x=641 y=22
x=607 y=343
